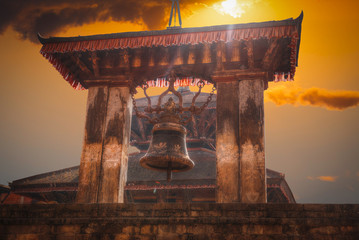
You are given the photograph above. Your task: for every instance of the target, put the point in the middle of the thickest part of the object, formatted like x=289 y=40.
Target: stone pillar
x=227 y=142
x=103 y=167
x=251 y=136
x=90 y=165
x=113 y=176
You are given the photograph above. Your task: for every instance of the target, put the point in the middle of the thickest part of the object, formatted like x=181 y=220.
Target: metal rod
x=170 y=22
x=179 y=14
x=175 y=17
x=176 y=8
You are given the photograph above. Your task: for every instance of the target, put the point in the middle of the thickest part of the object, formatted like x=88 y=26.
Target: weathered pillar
x=103 y=167
x=113 y=175
x=227 y=142
x=251 y=138
x=90 y=165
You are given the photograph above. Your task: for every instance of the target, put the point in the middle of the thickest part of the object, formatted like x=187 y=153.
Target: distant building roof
x=61 y=185
x=4 y=189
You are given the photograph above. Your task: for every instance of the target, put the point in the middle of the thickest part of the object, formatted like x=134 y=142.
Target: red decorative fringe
x=147 y=187
x=172 y=39
x=180 y=82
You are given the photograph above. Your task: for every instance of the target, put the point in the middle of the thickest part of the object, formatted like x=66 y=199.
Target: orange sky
x=43 y=117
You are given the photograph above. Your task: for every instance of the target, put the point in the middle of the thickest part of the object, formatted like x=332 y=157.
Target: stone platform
x=179 y=221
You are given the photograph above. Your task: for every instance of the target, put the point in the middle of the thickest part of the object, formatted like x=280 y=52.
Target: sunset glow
x=311 y=124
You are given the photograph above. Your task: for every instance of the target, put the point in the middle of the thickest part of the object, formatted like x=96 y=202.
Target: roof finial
x=175 y=6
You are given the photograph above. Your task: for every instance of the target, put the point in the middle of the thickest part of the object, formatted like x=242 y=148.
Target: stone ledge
x=179 y=221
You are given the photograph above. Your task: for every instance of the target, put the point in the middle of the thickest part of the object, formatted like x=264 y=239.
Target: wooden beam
x=124 y=58
x=76 y=59
x=234 y=75
x=178 y=57
x=95 y=62
x=151 y=56
x=162 y=56
x=219 y=56
x=191 y=55
x=136 y=58
x=198 y=54
x=268 y=58
x=206 y=53
x=235 y=51
x=107 y=81
x=276 y=59
x=250 y=54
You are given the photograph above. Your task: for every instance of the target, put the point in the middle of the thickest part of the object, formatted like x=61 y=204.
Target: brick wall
x=178 y=221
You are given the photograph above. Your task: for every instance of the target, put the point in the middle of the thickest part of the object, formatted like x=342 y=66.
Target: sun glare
x=231 y=7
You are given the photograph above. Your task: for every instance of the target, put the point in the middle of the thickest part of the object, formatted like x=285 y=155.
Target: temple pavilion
x=226 y=141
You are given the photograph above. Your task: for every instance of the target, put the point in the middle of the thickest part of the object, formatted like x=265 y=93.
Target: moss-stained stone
x=90 y=165
x=231 y=221
x=227 y=141
x=251 y=138
x=103 y=167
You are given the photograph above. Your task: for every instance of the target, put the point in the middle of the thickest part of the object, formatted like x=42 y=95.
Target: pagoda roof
x=119 y=57
x=173 y=31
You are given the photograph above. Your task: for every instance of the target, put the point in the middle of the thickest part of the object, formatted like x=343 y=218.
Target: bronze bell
x=168 y=151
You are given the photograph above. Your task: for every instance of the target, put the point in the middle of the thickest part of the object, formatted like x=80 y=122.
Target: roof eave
x=299 y=21
x=287 y=22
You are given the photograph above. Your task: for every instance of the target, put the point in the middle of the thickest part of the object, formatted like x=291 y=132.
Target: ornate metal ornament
x=168 y=151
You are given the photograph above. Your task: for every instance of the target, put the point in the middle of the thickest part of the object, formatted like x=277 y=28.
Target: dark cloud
x=48 y=17
x=332 y=100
